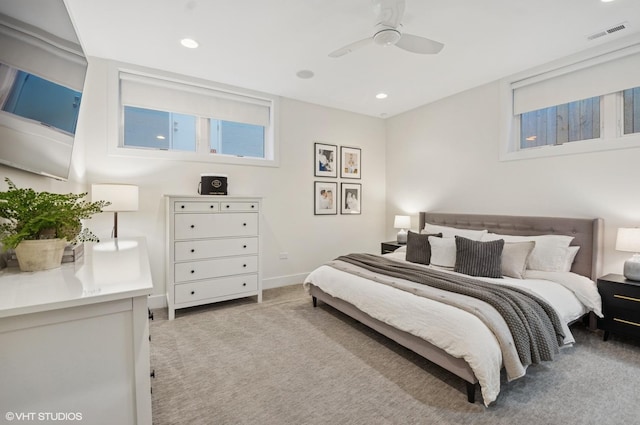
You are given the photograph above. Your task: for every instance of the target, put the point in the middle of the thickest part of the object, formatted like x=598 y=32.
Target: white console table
x=75 y=340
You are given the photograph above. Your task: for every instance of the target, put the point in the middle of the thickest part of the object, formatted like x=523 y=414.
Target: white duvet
x=459 y=333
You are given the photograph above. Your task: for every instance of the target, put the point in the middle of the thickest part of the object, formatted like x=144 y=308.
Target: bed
x=469 y=350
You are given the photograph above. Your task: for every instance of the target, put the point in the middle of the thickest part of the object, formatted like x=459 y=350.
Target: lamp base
x=632 y=268
x=402 y=236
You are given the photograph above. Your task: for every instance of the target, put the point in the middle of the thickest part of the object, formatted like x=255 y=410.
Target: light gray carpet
x=285 y=362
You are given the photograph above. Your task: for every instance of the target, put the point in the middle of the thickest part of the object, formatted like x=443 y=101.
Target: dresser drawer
x=238 y=206
x=195 y=291
x=199 y=249
x=194 y=226
x=206 y=269
x=196 y=206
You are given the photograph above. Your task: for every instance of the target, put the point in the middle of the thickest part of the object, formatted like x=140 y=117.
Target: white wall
x=289 y=224
x=444 y=157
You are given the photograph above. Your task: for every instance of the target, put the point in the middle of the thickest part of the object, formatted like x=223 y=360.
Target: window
x=233 y=138
x=631 y=107
x=570 y=122
x=194 y=121
x=146 y=128
x=583 y=105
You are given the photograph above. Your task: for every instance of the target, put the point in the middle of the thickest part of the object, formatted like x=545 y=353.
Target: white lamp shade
x=402 y=222
x=123 y=197
x=628 y=239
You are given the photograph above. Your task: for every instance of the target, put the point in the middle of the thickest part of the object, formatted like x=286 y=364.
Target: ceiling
x=262 y=44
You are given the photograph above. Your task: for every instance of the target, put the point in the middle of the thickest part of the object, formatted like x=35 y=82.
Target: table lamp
x=402 y=222
x=123 y=197
x=628 y=240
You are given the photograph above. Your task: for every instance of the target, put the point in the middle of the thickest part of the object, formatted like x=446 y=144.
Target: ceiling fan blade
x=389 y=12
x=350 y=47
x=417 y=44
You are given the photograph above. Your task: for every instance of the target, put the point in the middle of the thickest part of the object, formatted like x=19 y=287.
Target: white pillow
x=451 y=232
x=549 y=254
x=514 y=258
x=443 y=251
x=572 y=251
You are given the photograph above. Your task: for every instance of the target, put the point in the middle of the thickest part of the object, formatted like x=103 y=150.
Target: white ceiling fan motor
x=387 y=37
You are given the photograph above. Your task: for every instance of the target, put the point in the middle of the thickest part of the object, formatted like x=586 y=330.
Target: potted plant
x=38 y=225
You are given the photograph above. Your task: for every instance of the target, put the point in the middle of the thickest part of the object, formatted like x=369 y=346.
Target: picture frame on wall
x=325 y=159
x=325 y=198
x=350 y=160
x=350 y=198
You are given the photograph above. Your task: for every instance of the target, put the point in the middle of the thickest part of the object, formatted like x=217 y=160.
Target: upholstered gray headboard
x=587 y=232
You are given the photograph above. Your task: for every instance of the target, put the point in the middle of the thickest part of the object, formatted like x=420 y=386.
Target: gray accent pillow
x=418 y=248
x=476 y=258
x=514 y=258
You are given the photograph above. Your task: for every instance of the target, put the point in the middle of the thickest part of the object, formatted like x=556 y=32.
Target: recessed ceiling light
x=305 y=74
x=381 y=96
x=189 y=43
x=160 y=137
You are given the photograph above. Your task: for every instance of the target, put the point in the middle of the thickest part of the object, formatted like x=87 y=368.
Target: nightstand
x=620 y=305
x=387 y=247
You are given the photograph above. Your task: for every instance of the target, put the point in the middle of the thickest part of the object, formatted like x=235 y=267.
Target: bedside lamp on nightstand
x=629 y=240
x=402 y=222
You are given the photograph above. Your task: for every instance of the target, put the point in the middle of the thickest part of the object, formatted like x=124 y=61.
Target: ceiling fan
x=387 y=32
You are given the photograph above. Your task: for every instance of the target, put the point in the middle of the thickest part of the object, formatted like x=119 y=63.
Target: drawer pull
x=615 y=319
x=193 y=292
x=244 y=224
x=182 y=206
x=244 y=246
x=244 y=265
x=193 y=250
x=211 y=206
x=244 y=284
x=193 y=226
x=193 y=271
x=623 y=297
x=228 y=206
x=253 y=206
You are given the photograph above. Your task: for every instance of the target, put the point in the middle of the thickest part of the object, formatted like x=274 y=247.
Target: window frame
x=202 y=153
x=612 y=135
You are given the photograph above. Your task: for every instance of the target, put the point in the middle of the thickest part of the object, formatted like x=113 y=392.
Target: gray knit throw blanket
x=534 y=324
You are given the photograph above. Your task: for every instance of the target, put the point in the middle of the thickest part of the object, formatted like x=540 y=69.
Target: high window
x=199 y=122
x=584 y=105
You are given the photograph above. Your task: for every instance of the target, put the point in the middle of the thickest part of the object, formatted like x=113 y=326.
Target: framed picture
x=350 y=198
x=350 y=163
x=325 y=198
x=326 y=160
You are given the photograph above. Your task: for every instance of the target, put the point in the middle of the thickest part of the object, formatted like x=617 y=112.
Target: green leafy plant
x=44 y=215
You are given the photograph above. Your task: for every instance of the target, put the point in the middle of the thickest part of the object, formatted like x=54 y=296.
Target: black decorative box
x=213 y=184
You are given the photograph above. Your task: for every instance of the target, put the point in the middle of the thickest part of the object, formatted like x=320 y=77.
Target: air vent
x=611 y=30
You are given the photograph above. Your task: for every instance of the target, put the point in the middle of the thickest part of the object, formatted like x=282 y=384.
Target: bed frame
x=587 y=234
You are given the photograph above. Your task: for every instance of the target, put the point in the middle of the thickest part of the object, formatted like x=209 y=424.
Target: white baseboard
x=277 y=282
x=160 y=301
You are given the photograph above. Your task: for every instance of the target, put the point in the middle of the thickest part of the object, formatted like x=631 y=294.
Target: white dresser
x=74 y=341
x=213 y=250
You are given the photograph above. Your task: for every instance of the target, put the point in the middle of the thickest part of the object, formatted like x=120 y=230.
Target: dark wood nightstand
x=387 y=247
x=620 y=305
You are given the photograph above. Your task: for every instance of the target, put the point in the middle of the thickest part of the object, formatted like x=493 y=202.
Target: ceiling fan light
x=189 y=43
x=387 y=37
